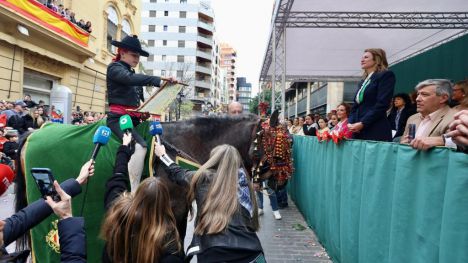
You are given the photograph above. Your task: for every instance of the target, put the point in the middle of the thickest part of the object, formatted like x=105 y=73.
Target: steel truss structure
x=284 y=18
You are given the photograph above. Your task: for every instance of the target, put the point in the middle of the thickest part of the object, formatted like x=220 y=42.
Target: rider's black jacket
x=124 y=86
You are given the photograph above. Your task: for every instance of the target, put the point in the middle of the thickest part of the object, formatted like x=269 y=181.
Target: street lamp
x=179 y=99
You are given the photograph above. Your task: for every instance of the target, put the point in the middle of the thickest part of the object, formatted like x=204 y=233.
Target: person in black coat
x=124 y=92
x=148 y=210
x=399 y=114
x=10 y=147
x=368 y=119
x=71 y=229
x=309 y=128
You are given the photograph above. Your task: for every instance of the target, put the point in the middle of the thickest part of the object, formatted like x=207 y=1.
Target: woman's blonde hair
x=140 y=227
x=380 y=59
x=220 y=203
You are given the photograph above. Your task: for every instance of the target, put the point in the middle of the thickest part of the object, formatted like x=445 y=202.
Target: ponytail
x=119 y=50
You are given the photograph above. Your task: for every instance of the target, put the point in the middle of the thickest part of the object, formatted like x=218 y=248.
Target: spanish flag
x=35 y=11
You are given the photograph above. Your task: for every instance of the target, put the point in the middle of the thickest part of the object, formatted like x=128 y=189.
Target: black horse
x=191 y=139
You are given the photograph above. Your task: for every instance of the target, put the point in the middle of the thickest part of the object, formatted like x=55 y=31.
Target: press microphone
x=156 y=130
x=101 y=137
x=126 y=124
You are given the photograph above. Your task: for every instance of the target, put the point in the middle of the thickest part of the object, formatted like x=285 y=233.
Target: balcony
x=43 y=32
x=203 y=69
x=203 y=84
x=203 y=53
x=205 y=39
x=206 y=26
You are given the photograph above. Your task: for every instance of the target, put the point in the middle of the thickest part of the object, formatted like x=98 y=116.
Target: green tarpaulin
x=374 y=202
x=64 y=149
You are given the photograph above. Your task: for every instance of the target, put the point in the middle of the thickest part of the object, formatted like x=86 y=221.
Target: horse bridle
x=178 y=151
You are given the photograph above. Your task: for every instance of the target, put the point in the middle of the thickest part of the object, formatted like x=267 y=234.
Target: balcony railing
x=203 y=68
x=202 y=53
x=203 y=84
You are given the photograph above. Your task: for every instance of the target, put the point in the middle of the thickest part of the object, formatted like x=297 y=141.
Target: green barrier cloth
x=383 y=202
x=64 y=149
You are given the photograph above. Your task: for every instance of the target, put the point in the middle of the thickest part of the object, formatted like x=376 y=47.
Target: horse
x=191 y=139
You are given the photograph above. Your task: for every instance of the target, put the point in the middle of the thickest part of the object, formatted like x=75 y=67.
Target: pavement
x=7 y=208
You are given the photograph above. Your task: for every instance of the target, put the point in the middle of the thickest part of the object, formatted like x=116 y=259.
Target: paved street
x=7 y=209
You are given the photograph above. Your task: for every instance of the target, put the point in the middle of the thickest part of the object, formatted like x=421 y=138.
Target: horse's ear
x=274 y=119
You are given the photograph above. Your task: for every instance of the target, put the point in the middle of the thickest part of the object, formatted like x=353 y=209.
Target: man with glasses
x=459 y=91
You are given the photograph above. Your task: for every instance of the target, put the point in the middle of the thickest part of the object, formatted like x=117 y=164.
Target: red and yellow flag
x=42 y=15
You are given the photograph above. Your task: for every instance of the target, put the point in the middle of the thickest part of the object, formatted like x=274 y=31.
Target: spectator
x=43 y=114
x=10 y=147
x=235 y=108
x=434 y=115
x=342 y=126
x=10 y=105
x=87 y=27
x=220 y=187
x=300 y=128
x=67 y=14
x=3 y=139
x=309 y=127
x=459 y=130
x=315 y=119
x=333 y=121
x=28 y=120
x=2 y=106
x=81 y=23
x=15 y=117
x=367 y=119
x=88 y=120
x=459 y=95
x=290 y=125
x=322 y=122
x=143 y=218
x=399 y=114
x=29 y=102
x=72 y=17
x=38 y=121
x=71 y=230
x=296 y=127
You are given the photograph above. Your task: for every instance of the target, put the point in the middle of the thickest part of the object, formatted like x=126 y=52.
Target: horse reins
x=178 y=151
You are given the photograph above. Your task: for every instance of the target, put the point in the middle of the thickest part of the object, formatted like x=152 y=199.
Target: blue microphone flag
x=102 y=135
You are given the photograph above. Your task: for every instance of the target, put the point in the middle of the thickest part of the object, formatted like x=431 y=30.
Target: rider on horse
x=125 y=91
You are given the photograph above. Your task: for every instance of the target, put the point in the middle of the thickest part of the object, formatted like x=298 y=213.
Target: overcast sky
x=245 y=25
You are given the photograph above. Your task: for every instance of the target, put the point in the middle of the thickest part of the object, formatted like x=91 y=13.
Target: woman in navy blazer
x=368 y=118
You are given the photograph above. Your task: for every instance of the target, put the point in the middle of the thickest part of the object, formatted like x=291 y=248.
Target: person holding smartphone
x=71 y=229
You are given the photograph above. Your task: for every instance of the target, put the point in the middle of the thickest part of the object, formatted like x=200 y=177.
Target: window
x=164 y=42
x=126 y=30
x=182 y=29
x=153 y=1
x=166 y=13
x=180 y=74
x=151 y=43
x=163 y=73
x=149 y=72
x=163 y=57
x=151 y=58
x=183 y=1
x=180 y=58
x=182 y=14
x=181 y=43
x=152 y=28
x=152 y=13
x=112 y=22
x=164 y=28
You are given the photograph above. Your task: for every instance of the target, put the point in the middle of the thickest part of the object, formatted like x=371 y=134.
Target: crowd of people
x=67 y=14
x=20 y=116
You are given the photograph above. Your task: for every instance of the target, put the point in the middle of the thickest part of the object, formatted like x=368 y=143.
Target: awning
x=323 y=41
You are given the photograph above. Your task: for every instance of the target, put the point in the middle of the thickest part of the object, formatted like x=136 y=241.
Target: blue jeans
x=271 y=195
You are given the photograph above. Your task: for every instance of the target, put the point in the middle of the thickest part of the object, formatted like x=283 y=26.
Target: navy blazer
x=405 y=114
x=372 y=111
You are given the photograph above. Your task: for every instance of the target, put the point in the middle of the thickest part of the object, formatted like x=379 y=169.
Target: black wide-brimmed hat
x=132 y=43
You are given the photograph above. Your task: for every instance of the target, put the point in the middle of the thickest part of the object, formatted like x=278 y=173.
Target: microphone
x=101 y=137
x=126 y=124
x=156 y=130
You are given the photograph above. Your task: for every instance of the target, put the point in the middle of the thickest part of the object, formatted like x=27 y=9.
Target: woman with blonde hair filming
x=226 y=220
x=138 y=227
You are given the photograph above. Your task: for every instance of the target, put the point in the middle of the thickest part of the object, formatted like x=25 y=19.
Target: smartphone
x=45 y=182
x=411 y=131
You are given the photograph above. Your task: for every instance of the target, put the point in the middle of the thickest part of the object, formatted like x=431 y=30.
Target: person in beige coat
x=434 y=115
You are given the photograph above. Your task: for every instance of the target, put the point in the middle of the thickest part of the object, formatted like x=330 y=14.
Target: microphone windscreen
x=102 y=135
x=125 y=122
x=155 y=128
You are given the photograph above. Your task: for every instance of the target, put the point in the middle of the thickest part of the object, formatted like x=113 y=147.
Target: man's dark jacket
x=124 y=86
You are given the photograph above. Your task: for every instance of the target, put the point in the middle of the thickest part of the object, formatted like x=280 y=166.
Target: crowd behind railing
x=67 y=14
x=405 y=110
x=20 y=116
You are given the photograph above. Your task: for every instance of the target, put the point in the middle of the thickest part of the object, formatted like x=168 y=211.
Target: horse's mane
x=216 y=119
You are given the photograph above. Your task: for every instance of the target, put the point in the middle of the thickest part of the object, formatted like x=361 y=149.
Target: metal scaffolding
x=274 y=66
